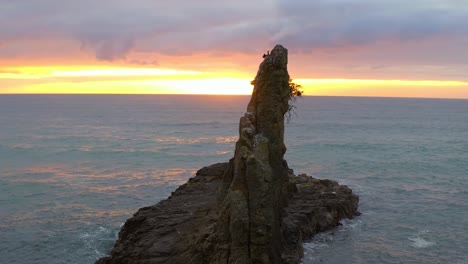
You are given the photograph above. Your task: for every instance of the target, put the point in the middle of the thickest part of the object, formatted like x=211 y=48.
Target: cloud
x=112 y=29
x=9 y=71
x=143 y=62
x=109 y=49
x=309 y=25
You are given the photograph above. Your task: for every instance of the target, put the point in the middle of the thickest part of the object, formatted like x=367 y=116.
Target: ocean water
x=74 y=168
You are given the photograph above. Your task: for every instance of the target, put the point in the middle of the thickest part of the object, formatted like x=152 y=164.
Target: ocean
x=73 y=168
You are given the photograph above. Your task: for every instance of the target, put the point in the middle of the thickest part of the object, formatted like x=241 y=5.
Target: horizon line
x=162 y=94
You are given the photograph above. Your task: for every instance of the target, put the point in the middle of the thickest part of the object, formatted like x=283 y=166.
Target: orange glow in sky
x=349 y=48
x=139 y=80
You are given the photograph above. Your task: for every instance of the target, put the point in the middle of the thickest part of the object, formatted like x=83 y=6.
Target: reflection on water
x=184 y=140
x=74 y=168
x=59 y=202
x=80 y=192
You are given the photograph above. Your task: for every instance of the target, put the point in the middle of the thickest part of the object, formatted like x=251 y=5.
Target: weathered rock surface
x=250 y=210
x=178 y=230
x=255 y=187
x=171 y=230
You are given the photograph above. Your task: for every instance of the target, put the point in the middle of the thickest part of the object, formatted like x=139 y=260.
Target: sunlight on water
x=180 y=140
x=74 y=168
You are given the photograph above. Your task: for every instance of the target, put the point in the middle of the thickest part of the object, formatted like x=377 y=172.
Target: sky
x=395 y=48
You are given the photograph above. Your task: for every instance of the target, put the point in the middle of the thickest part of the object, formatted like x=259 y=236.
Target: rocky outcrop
x=180 y=229
x=255 y=183
x=174 y=230
x=250 y=210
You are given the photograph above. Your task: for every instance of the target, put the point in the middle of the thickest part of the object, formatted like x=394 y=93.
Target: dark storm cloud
x=113 y=28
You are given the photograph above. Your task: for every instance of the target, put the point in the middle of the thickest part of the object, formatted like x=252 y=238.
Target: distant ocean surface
x=73 y=168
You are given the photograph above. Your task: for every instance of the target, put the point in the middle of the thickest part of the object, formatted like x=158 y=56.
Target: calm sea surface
x=74 y=168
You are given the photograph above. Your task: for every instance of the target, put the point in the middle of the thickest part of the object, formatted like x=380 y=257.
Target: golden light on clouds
x=123 y=80
x=139 y=80
x=70 y=71
x=385 y=88
x=120 y=72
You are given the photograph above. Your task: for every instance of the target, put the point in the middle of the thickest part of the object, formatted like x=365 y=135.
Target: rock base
x=180 y=229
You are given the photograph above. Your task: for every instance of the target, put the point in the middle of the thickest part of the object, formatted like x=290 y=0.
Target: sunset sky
x=396 y=48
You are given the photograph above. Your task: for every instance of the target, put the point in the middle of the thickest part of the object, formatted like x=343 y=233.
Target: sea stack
x=255 y=185
x=252 y=209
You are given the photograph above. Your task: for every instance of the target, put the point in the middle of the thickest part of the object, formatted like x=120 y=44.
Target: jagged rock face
x=250 y=210
x=255 y=183
x=180 y=229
